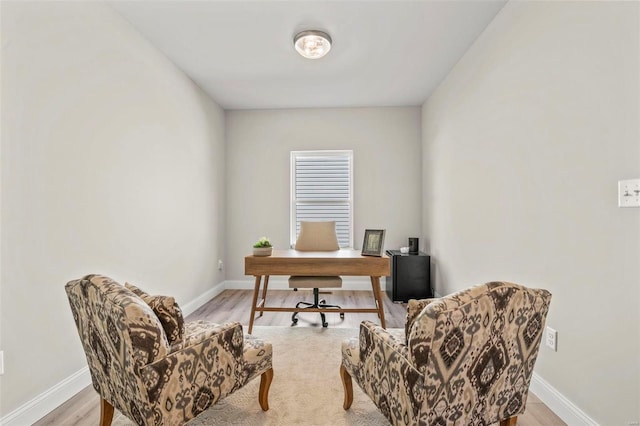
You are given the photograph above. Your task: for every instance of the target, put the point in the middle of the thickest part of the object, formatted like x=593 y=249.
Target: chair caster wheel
x=325 y=324
x=341 y=315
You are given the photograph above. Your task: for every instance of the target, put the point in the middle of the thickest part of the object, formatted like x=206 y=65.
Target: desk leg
x=256 y=290
x=377 y=295
x=264 y=292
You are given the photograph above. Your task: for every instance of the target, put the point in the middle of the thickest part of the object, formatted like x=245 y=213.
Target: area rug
x=306 y=387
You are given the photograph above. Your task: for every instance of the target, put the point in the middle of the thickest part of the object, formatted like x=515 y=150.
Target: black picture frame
x=373 y=243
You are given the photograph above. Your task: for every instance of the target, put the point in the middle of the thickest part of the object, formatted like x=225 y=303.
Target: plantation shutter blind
x=322 y=191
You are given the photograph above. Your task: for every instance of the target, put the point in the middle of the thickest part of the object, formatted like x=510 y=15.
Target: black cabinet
x=410 y=276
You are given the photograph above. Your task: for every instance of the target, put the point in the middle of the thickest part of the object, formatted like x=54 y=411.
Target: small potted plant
x=262 y=247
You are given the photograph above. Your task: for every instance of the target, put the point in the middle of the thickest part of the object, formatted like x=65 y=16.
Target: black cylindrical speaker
x=413 y=246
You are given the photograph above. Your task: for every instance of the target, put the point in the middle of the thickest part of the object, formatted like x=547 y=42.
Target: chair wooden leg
x=511 y=421
x=263 y=394
x=348 y=388
x=106 y=412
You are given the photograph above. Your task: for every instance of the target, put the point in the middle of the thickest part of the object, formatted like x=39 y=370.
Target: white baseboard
x=279 y=283
x=49 y=400
x=199 y=301
x=57 y=395
x=558 y=403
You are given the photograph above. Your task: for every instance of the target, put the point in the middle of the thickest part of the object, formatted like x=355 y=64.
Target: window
x=322 y=189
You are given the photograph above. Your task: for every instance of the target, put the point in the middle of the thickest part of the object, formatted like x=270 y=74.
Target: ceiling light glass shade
x=312 y=44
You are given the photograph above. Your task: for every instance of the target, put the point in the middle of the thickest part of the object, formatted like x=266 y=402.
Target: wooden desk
x=315 y=263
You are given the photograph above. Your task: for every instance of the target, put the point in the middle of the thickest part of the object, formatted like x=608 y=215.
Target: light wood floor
x=234 y=305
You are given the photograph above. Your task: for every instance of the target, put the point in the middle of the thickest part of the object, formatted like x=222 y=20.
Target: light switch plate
x=629 y=193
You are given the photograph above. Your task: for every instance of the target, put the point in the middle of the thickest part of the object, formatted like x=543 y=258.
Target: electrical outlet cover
x=629 y=193
x=551 y=337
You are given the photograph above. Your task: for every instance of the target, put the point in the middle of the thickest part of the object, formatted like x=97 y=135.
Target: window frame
x=292 y=194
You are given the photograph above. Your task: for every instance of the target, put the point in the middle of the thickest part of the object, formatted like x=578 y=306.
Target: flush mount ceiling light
x=312 y=44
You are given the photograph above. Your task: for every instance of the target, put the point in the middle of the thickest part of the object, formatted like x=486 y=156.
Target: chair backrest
x=119 y=333
x=476 y=350
x=317 y=236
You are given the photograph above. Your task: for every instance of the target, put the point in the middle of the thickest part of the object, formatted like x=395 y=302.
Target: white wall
x=523 y=145
x=386 y=167
x=112 y=162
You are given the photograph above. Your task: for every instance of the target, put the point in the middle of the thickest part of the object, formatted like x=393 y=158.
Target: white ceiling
x=385 y=53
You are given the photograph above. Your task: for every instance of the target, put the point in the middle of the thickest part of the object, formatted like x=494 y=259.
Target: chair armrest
x=206 y=366
x=199 y=331
x=414 y=307
x=387 y=375
x=374 y=337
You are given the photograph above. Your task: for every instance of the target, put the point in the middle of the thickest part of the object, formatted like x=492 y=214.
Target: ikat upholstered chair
x=464 y=359
x=153 y=367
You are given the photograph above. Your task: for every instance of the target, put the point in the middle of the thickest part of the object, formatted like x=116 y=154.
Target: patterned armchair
x=155 y=369
x=464 y=359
